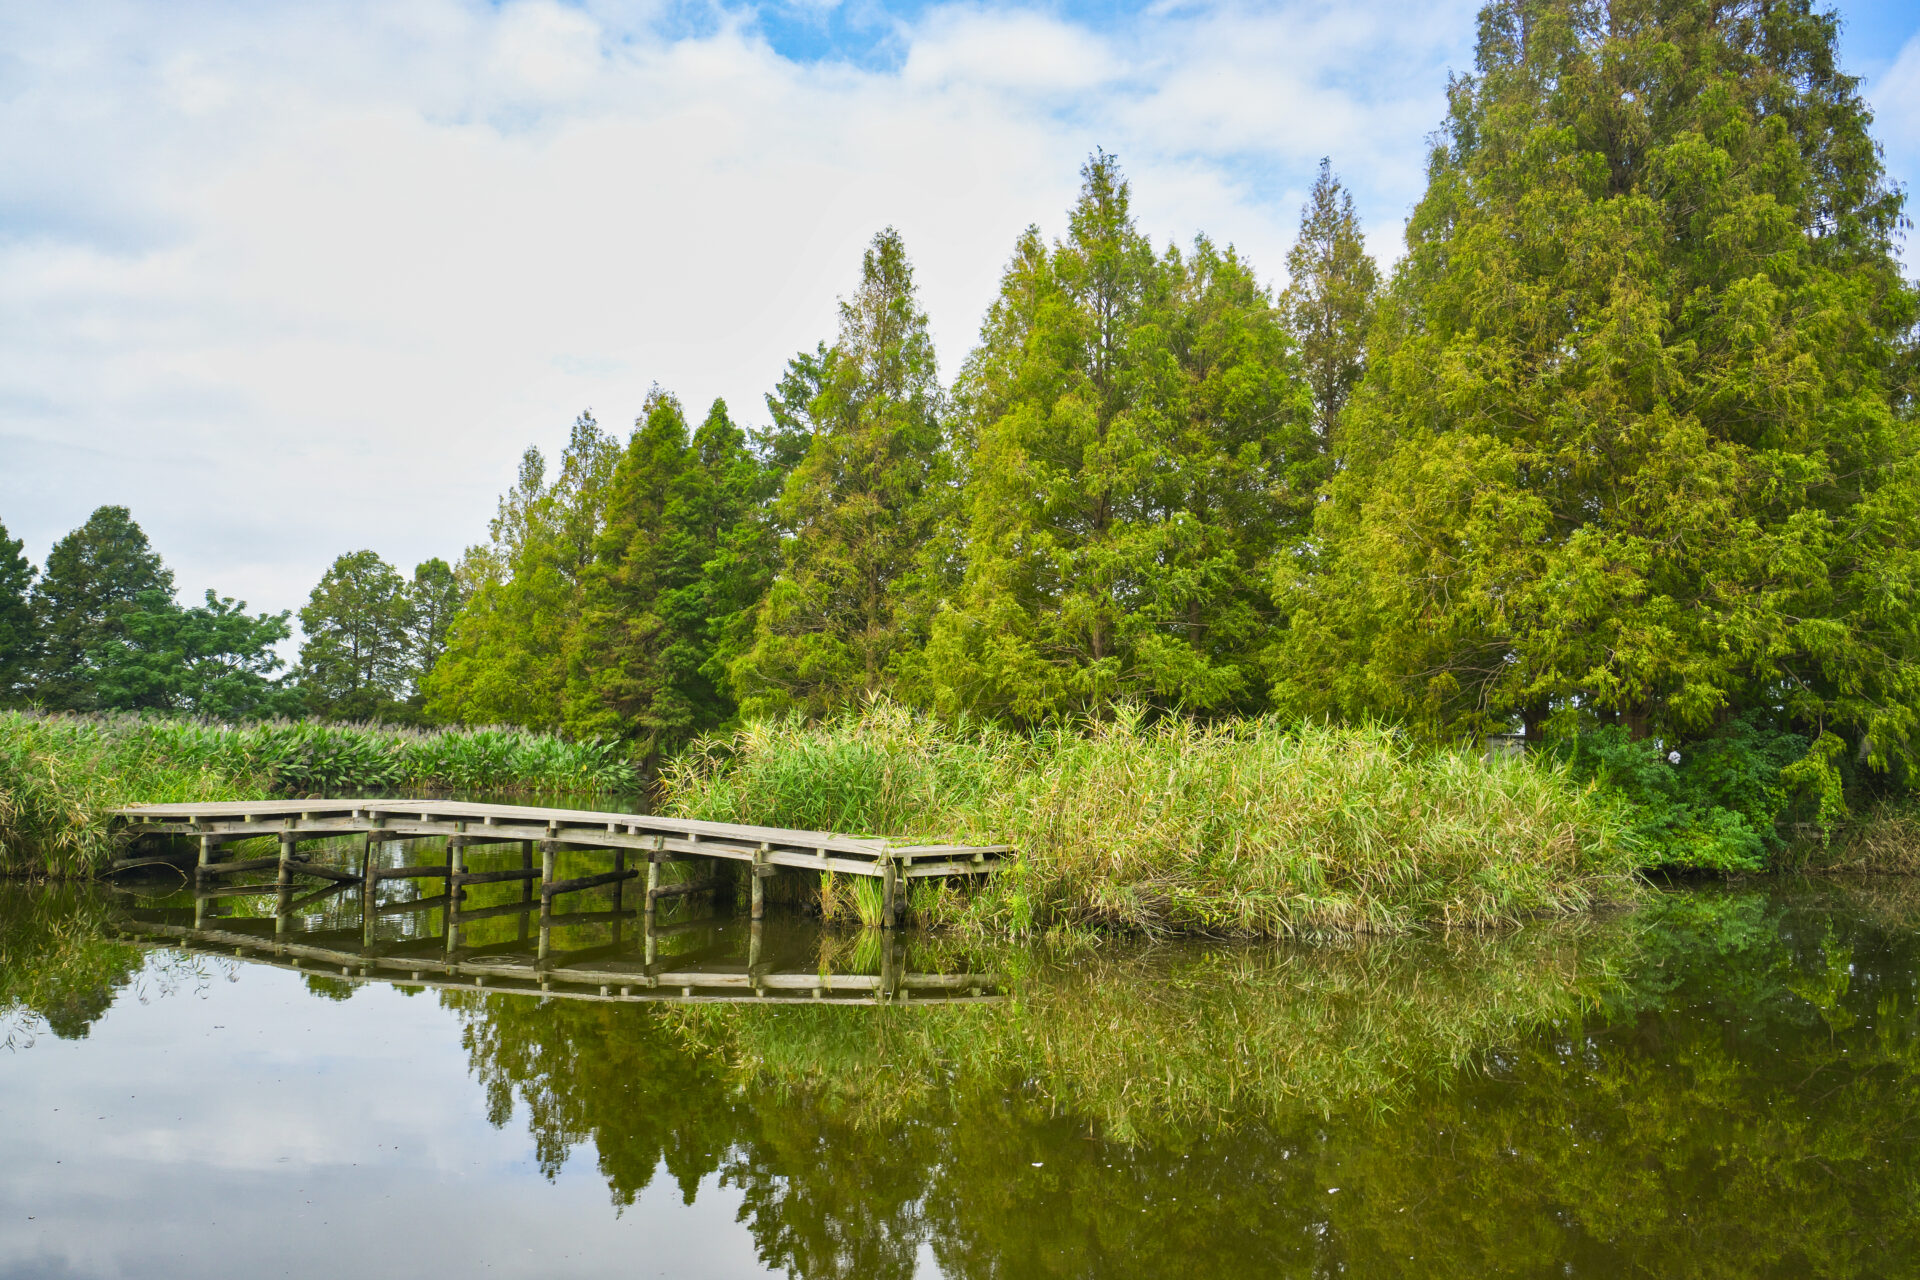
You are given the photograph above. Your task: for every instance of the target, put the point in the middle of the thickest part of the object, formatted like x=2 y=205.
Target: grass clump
x=1244 y=828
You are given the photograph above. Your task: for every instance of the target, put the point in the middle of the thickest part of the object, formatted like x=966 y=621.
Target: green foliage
x=1331 y=288
x=848 y=604
x=434 y=598
x=1719 y=806
x=211 y=660
x=19 y=637
x=61 y=776
x=1143 y=445
x=506 y=660
x=677 y=562
x=354 y=661
x=95 y=577
x=1247 y=827
x=1630 y=437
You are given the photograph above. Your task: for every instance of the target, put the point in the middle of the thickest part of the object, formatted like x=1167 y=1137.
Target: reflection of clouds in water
x=255 y=1126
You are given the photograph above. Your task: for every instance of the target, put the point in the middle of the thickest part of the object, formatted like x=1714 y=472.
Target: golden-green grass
x=1244 y=828
x=62 y=775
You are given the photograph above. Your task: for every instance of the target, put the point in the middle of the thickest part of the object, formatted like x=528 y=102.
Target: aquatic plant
x=1248 y=827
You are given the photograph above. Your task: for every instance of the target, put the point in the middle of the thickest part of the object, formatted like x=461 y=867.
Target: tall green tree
x=658 y=597
x=507 y=654
x=1634 y=438
x=214 y=659
x=1142 y=446
x=1329 y=299
x=354 y=659
x=94 y=577
x=434 y=598
x=861 y=506
x=19 y=638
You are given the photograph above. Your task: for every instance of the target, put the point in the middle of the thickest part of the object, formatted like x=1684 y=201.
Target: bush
x=1719 y=804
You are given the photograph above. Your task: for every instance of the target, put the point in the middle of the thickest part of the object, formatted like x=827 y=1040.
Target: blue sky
x=291 y=280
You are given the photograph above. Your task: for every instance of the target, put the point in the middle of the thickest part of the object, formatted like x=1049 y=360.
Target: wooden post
x=653 y=883
x=548 y=852
x=456 y=863
x=653 y=940
x=370 y=870
x=889 y=889
x=201 y=872
x=754 y=929
x=757 y=895
x=366 y=853
x=286 y=859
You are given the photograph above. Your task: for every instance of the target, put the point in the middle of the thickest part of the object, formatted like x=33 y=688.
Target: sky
x=294 y=280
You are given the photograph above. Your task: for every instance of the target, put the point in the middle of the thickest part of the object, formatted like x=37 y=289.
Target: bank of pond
x=1711 y=1081
x=1237 y=828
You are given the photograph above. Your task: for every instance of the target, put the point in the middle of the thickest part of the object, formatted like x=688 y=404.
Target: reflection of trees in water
x=58 y=970
x=1719 y=1086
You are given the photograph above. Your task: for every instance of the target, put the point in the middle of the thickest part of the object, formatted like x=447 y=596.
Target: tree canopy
x=94 y=577
x=1634 y=440
x=1143 y=445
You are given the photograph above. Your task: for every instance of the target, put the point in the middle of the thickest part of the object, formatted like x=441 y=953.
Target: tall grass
x=60 y=776
x=1244 y=828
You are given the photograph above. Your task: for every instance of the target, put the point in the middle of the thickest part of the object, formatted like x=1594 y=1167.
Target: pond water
x=1720 y=1082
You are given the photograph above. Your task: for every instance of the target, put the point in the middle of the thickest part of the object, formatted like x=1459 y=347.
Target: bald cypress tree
x=671 y=572
x=1635 y=439
x=860 y=505
x=1142 y=447
x=1331 y=283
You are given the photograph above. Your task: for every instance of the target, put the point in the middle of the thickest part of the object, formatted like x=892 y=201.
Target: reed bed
x=1245 y=828
x=60 y=776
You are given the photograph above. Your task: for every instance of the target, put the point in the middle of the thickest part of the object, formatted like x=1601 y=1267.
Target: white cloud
x=295 y=281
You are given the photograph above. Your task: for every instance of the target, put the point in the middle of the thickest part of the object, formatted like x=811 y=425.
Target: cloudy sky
x=292 y=280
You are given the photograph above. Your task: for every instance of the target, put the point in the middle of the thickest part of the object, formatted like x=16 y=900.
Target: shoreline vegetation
x=1223 y=601
x=1248 y=828
x=62 y=775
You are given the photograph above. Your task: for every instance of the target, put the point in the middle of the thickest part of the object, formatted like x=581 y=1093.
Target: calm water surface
x=1720 y=1083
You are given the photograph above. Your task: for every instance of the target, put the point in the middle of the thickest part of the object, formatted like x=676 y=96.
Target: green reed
x=1244 y=828
x=61 y=776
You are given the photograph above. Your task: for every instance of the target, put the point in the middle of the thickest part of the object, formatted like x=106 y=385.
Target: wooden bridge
x=463 y=824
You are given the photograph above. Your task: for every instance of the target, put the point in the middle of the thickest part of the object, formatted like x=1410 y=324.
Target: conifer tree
x=860 y=505
x=506 y=660
x=1143 y=445
x=18 y=635
x=95 y=576
x=1329 y=297
x=1633 y=440
x=637 y=666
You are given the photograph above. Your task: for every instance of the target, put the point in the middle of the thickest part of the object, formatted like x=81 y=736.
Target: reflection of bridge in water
x=629 y=969
x=500 y=926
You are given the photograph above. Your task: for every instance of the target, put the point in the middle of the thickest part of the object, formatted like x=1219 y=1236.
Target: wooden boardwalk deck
x=464 y=823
